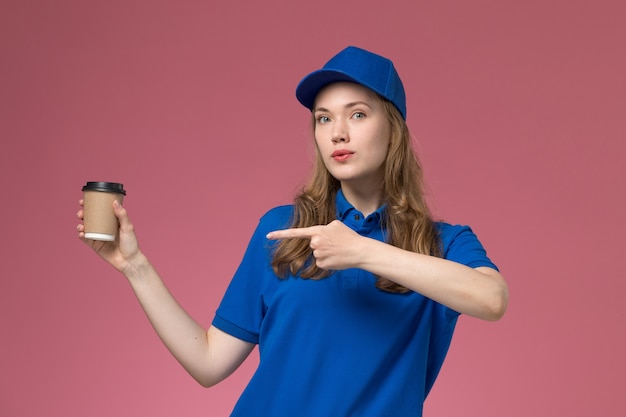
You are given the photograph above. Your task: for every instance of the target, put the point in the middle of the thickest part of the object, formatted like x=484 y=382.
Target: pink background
x=519 y=110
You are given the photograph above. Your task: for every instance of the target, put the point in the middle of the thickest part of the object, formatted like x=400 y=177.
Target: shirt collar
x=354 y=218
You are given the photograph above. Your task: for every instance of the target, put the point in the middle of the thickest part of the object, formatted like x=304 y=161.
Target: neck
x=364 y=200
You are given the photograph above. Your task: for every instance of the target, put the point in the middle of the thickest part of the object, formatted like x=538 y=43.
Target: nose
x=339 y=132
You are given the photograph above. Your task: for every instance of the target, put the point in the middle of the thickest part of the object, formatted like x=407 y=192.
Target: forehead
x=345 y=92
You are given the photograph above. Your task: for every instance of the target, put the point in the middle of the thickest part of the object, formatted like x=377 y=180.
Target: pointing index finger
x=293 y=233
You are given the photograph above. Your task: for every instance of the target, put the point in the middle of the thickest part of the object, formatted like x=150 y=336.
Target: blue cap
x=359 y=66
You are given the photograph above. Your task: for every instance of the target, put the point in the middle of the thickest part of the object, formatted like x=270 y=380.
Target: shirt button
x=357 y=217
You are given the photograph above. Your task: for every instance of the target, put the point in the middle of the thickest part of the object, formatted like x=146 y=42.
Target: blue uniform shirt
x=338 y=346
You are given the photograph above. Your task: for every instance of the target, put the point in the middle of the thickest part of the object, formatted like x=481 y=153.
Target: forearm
x=478 y=292
x=180 y=333
x=208 y=356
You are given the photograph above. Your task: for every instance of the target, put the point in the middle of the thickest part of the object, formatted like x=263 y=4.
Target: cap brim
x=310 y=86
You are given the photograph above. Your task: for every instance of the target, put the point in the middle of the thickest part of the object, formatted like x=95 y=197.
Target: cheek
x=319 y=147
x=322 y=141
x=382 y=154
x=319 y=152
x=383 y=144
x=317 y=135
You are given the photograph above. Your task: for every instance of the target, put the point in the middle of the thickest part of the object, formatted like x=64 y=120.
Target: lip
x=341 y=154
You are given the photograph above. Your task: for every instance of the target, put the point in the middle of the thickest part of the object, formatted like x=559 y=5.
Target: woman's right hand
x=123 y=250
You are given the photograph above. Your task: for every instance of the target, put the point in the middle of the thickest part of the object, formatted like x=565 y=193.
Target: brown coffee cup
x=99 y=219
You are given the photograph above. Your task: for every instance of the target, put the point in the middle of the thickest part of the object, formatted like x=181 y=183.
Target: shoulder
x=448 y=231
x=453 y=234
x=459 y=243
x=276 y=218
x=279 y=214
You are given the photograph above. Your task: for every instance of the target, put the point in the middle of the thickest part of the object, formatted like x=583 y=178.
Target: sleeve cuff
x=234 y=330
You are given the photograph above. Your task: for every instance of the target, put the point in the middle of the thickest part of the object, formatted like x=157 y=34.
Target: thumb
x=120 y=213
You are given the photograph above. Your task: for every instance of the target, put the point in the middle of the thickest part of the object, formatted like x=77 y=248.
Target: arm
x=480 y=292
x=208 y=356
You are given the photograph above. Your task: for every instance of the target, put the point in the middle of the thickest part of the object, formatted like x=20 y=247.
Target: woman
x=352 y=293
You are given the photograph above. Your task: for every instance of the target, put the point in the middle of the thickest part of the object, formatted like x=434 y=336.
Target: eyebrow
x=347 y=106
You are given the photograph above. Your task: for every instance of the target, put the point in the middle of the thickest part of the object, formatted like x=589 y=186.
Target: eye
x=323 y=119
x=359 y=115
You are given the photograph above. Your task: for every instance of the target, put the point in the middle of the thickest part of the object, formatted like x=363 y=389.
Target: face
x=352 y=133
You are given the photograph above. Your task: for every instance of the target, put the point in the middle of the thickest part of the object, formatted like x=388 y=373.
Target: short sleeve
x=460 y=244
x=241 y=310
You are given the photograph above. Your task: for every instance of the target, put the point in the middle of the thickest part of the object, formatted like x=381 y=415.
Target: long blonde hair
x=407 y=221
